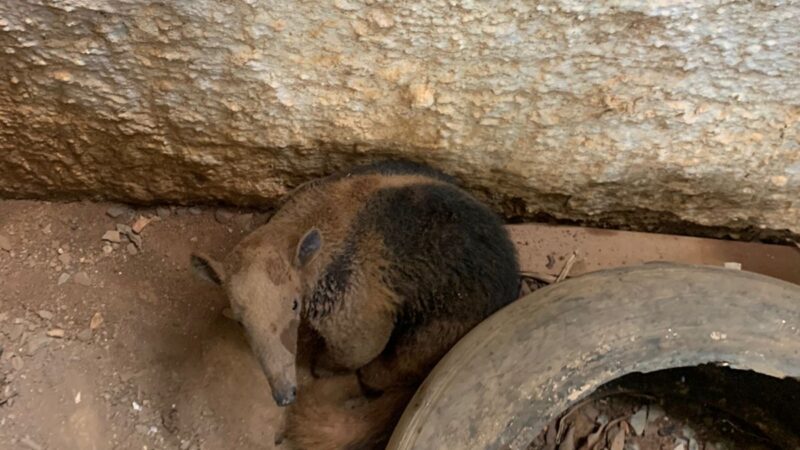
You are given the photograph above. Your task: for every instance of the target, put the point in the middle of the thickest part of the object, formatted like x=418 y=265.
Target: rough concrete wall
x=579 y=108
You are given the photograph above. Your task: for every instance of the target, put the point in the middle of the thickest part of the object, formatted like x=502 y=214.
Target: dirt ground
x=115 y=345
x=162 y=368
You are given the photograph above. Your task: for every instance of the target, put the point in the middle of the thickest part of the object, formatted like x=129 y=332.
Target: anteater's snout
x=285 y=397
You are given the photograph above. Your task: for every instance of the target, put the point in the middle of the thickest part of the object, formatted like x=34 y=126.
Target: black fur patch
x=449 y=254
x=332 y=285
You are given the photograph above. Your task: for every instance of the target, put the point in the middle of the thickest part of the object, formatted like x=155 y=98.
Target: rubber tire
x=529 y=362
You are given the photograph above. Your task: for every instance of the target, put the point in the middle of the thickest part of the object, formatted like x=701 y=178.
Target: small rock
x=96 y=322
x=65 y=258
x=223 y=216
x=137 y=241
x=132 y=250
x=5 y=243
x=85 y=335
x=30 y=443
x=185 y=444
x=17 y=363
x=56 y=333
x=163 y=212
x=108 y=249
x=244 y=220
x=733 y=265
x=117 y=211
x=195 y=211
x=82 y=278
x=140 y=223
x=47 y=229
x=680 y=446
x=35 y=343
x=15 y=332
x=44 y=314
x=63 y=278
x=78 y=397
x=639 y=420
x=112 y=236
x=693 y=445
x=124 y=229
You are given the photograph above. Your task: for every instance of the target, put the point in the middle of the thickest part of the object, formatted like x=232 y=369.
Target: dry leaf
x=96 y=322
x=569 y=440
x=140 y=223
x=618 y=443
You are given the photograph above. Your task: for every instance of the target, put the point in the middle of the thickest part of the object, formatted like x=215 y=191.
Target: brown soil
x=164 y=369
x=161 y=368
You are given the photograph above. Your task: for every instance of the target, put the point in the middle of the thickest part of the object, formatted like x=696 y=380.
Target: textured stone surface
x=682 y=109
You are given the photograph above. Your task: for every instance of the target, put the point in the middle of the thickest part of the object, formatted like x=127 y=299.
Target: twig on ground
x=543 y=277
x=567 y=267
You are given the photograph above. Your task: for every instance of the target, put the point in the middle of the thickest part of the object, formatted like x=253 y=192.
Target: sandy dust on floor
x=163 y=369
x=139 y=355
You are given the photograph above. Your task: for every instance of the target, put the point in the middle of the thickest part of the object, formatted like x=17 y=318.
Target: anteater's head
x=266 y=277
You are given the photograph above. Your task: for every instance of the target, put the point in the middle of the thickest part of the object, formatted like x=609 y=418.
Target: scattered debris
x=733 y=265
x=544 y=277
x=17 y=363
x=655 y=412
x=82 y=278
x=140 y=223
x=44 y=314
x=132 y=250
x=96 y=322
x=717 y=336
x=223 y=216
x=112 y=236
x=618 y=441
x=639 y=420
x=56 y=333
x=30 y=443
x=567 y=267
x=85 y=335
x=63 y=278
x=136 y=407
x=5 y=243
x=117 y=211
x=568 y=443
x=65 y=259
x=35 y=343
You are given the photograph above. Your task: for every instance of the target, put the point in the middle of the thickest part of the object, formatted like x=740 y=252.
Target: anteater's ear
x=308 y=247
x=207 y=269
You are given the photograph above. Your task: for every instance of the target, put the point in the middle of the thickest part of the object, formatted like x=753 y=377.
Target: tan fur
x=332 y=414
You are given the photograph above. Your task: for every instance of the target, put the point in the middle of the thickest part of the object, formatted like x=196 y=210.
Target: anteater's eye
x=294 y=305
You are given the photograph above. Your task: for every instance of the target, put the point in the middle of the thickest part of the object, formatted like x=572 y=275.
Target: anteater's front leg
x=352 y=340
x=410 y=356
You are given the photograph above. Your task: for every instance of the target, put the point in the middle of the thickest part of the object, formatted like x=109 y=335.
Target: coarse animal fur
x=389 y=263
